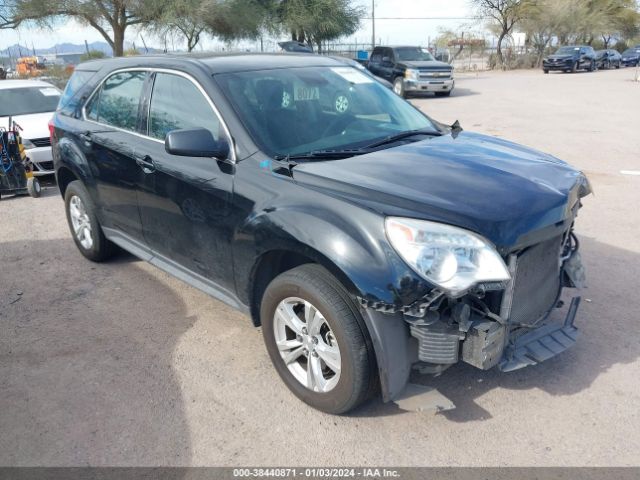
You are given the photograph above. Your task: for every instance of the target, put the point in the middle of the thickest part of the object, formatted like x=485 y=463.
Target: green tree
x=110 y=18
x=6 y=14
x=234 y=19
x=504 y=15
x=579 y=21
x=318 y=21
x=181 y=17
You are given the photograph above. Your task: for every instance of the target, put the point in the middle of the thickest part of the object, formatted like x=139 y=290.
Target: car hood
x=428 y=65
x=504 y=191
x=34 y=125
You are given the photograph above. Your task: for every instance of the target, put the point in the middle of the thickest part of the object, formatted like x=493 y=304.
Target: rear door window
x=176 y=104
x=118 y=100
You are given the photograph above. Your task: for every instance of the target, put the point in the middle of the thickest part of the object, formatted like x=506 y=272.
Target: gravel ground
x=120 y=364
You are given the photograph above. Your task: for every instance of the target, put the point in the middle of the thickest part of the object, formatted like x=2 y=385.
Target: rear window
x=27 y=100
x=72 y=98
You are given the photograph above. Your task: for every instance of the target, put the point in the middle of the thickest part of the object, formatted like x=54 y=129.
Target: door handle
x=86 y=137
x=146 y=163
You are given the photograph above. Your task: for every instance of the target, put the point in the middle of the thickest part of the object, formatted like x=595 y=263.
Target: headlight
x=27 y=144
x=452 y=258
x=411 y=74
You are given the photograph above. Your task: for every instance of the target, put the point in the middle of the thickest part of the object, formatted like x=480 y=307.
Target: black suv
x=631 y=57
x=412 y=70
x=571 y=59
x=366 y=243
x=610 y=58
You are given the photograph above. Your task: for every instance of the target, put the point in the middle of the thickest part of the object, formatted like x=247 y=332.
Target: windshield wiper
x=352 y=152
x=328 y=154
x=402 y=135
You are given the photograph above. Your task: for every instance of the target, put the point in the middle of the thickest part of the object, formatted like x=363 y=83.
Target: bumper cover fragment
x=542 y=343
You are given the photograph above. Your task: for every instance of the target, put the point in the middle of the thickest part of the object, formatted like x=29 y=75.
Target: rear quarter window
x=77 y=89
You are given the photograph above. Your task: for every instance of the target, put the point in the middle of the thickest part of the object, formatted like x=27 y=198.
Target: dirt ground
x=120 y=364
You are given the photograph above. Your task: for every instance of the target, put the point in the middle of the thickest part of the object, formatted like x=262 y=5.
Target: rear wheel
x=546 y=72
x=316 y=339
x=83 y=223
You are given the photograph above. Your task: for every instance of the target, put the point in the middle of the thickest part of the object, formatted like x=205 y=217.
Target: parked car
x=571 y=59
x=631 y=57
x=31 y=103
x=412 y=70
x=610 y=58
x=340 y=97
x=365 y=244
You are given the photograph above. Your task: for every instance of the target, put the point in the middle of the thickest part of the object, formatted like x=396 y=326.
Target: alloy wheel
x=80 y=222
x=307 y=345
x=342 y=103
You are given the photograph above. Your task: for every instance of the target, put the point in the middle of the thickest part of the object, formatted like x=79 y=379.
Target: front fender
x=350 y=242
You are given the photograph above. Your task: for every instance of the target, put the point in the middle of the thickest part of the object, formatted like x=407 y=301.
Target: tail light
x=52 y=130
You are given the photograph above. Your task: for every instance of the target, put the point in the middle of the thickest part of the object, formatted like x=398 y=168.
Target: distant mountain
x=21 y=50
x=17 y=50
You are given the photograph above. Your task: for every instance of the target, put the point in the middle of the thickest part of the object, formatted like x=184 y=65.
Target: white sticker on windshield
x=49 y=92
x=352 y=75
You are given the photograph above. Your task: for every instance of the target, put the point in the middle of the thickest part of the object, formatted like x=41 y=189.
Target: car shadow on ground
x=86 y=360
x=609 y=335
x=457 y=92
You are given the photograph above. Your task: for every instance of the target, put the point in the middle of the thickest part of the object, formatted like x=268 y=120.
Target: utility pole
x=373 y=24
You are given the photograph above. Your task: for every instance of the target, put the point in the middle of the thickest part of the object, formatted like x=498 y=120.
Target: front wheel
x=443 y=94
x=398 y=87
x=592 y=67
x=33 y=187
x=316 y=339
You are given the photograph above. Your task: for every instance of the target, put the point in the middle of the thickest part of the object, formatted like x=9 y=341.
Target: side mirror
x=196 y=142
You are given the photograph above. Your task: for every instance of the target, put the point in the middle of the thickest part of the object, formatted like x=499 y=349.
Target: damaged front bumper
x=503 y=325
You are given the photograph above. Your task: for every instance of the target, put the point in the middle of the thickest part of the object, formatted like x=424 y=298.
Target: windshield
x=567 y=50
x=632 y=51
x=413 y=54
x=23 y=101
x=299 y=110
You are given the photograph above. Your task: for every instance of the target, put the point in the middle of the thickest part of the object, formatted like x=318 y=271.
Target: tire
x=618 y=65
x=574 y=67
x=33 y=187
x=444 y=94
x=357 y=378
x=97 y=248
x=592 y=67
x=546 y=72
x=398 y=87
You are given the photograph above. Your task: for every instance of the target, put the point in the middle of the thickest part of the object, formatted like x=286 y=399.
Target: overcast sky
x=416 y=31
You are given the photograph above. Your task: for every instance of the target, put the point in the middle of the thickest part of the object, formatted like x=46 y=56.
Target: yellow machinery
x=16 y=173
x=29 y=66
